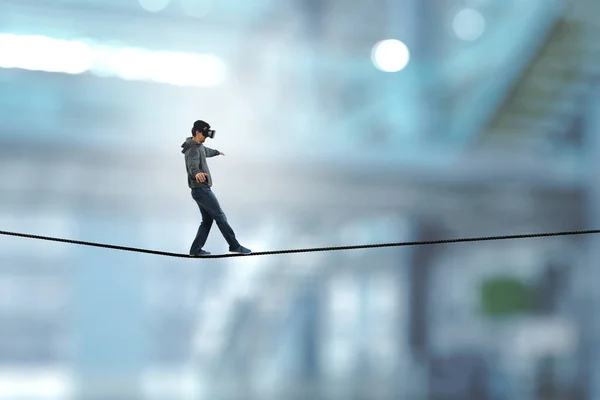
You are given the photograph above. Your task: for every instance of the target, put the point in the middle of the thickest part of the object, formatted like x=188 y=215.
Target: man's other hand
x=201 y=176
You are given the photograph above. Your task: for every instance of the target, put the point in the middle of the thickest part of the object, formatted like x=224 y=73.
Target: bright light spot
x=39 y=53
x=188 y=69
x=179 y=69
x=390 y=55
x=154 y=5
x=196 y=8
x=468 y=24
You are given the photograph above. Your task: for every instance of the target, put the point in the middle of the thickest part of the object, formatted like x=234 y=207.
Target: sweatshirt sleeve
x=211 y=152
x=192 y=161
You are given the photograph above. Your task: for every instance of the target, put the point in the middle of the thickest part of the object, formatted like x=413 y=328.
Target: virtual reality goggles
x=210 y=133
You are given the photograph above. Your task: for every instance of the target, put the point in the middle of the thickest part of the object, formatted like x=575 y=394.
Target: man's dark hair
x=200 y=126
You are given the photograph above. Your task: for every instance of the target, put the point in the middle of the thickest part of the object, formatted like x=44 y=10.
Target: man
x=200 y=183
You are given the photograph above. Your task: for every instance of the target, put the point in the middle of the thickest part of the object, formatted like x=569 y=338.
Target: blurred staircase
x=543 y=107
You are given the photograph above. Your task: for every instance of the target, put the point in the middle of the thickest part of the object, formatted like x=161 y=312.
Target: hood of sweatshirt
x=188 y=144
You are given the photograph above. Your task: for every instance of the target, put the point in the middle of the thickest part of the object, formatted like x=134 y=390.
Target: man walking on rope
x=200 y=183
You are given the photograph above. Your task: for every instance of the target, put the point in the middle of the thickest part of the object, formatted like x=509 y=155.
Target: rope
x=264 y=253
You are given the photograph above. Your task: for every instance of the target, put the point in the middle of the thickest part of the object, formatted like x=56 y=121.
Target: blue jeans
x=211 y=211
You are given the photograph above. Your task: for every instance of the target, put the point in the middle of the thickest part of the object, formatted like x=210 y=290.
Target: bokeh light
x=390 y=55
x=468 y=24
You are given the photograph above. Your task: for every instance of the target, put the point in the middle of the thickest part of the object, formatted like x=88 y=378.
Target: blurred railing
x=540 y=117
x=497 y=63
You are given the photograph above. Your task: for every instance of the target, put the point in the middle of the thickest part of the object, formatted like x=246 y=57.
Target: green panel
x=506 y=296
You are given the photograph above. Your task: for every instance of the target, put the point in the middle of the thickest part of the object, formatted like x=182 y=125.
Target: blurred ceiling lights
x=41 y=53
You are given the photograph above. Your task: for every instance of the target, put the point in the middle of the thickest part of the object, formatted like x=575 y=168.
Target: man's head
x=201 y=130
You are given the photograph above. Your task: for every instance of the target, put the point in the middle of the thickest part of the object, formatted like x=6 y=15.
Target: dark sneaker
x=240 y=250
x=202 y=253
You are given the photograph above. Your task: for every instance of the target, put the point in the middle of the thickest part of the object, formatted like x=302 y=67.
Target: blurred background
x=344 y=122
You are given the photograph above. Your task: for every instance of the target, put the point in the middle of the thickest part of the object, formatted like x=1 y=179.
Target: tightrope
x=307 y=250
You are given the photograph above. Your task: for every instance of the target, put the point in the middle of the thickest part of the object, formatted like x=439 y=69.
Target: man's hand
x=201 y=177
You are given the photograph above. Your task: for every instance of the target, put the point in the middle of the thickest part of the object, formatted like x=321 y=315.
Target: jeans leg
x=211 y=205
x=203 y=230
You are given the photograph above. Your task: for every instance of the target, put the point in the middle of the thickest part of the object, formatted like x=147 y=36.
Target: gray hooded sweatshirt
x=195 y=161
